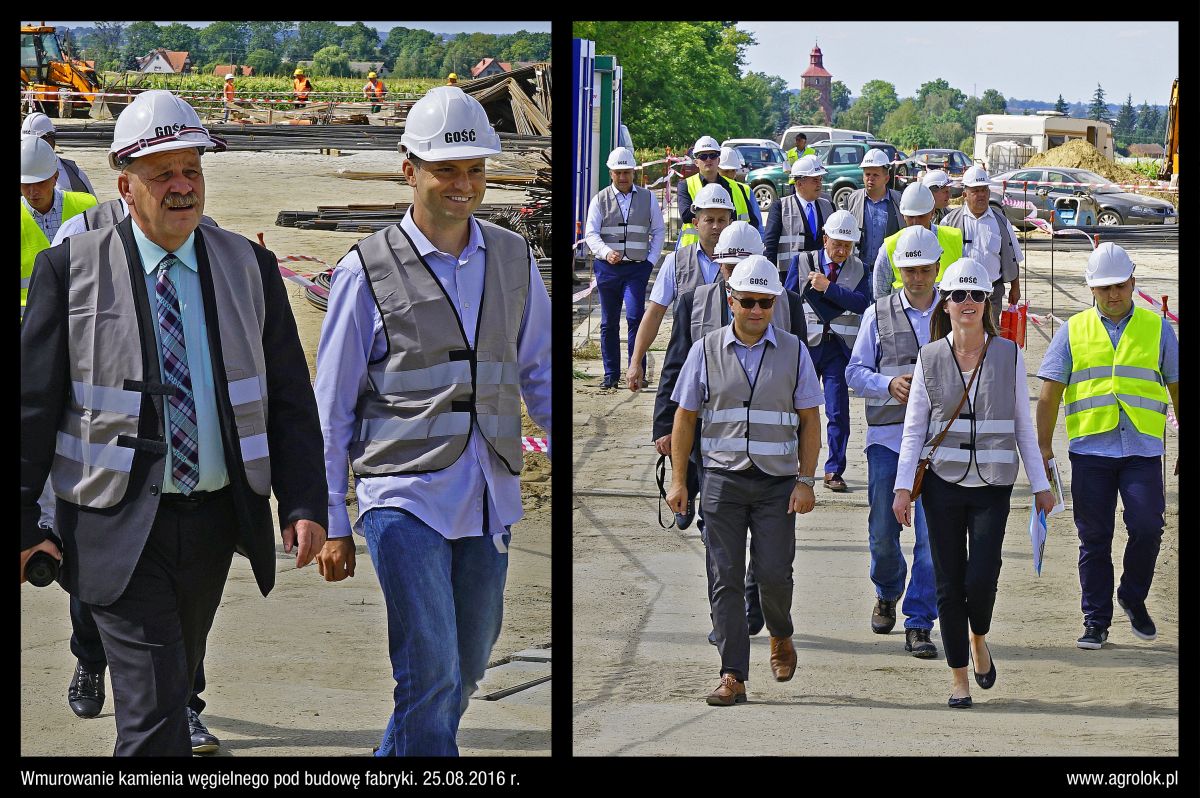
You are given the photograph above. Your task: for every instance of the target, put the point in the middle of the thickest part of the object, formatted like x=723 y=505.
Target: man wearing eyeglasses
x=835 y=290
x=706 y=153
x=755 y=392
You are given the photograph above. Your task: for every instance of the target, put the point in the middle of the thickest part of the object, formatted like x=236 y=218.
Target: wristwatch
x=810 y=481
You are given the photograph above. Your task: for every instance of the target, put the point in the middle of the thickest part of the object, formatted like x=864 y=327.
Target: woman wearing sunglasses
x=968 y=485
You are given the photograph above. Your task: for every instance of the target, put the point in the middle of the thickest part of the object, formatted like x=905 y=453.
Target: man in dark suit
x=148 y=398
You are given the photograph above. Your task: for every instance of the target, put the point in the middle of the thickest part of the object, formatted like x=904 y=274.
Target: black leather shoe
x=86 y=693
x=883 y=617
x=1139 y=619
x=609 y=382
x=917 y=641
x=202 y=741
x=986 y=680
x=1093 y=638
x=754 y=613
x=684 y=520
x=959 y=703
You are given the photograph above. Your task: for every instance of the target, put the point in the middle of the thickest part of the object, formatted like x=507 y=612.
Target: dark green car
x=841 y=160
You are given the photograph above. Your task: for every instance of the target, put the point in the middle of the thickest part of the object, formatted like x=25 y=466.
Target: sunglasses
x=747 y=303
x=961 y=295
x=707 y=156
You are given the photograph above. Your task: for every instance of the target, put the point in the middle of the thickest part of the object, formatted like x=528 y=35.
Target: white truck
x=1004 y=142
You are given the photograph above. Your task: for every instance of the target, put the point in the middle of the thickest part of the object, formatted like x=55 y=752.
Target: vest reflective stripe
x=951 y=240
x=1009 y=266
x=744 y=424
x=687 y=234
x=793 y=238
x=707 y=313
x=688 y=274
x=986 y=435
x=898 y=348
x=426 y=394
x=1105 y=381
x=844 y=325
x=632 y=238
x=33 y=240
x=105 y=356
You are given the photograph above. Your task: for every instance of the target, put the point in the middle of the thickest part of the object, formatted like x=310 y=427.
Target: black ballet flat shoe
x=986 y=680
x=959 y=703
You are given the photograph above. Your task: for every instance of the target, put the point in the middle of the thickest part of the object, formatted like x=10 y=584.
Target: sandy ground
x=642 y=666
x=304 y=671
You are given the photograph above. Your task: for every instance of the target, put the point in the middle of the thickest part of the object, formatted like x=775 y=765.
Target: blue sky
x=1026 y=60
x=455 y=26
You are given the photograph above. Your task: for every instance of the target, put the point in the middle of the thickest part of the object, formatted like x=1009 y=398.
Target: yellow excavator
x=60 y=85
x=1170 y=166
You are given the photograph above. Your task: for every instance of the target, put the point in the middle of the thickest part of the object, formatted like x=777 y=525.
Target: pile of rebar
x=504 y=171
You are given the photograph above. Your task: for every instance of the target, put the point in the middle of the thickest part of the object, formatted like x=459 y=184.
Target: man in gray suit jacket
x=876 y=208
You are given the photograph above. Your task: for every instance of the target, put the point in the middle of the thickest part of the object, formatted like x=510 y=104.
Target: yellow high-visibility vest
x=33 y=240
x=687 y=234
x=951 y=239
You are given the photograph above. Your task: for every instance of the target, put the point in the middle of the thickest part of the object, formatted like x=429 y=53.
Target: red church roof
x=815 y=68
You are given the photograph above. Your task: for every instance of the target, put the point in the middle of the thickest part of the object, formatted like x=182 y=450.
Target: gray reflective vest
x=984 y=434
x=792 y=235
x=1010 y=268
x=856 y=204
x=108 y=214
x=744 y=424
x=845 y=324
x=97 y=436
x=898 y=348
x=688 y=274
x=74 y=176
x=709 y=310
x=629 y=237
x=424 y=396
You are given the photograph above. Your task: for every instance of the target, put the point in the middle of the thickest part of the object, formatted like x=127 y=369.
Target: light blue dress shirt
x=875 y=217
x=213 y=473
x=1125 y=440
x=595 y=220
x=663 y=290
x=452 y=500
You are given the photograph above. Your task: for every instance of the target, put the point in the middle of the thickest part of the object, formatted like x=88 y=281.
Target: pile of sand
x=1080 y=154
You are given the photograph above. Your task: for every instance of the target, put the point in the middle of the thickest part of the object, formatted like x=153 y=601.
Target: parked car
x=953 y=162
x=768 y=175
x=756 y=154
x=841 y=159
x=1116 y=206
x=815 y=133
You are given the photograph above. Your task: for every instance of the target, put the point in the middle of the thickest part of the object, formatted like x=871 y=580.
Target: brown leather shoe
x=883 y=617
x=783 y=658
x=835 y=483
x=729 y=692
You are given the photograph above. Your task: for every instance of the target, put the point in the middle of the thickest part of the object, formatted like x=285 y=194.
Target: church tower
x=818 y=78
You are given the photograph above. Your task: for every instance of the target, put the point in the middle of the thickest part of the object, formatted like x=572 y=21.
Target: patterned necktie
x=181 y=411
x=812 y=221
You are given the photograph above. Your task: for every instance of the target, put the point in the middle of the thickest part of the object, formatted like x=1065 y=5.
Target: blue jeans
x=829 y=360
x=623 y=282
x=888 y=567
x=445 y=601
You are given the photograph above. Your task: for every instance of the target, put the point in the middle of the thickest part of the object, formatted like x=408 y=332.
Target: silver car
x=1116 y=206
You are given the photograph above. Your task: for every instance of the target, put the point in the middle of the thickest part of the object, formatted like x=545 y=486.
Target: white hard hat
x=756 y=275
x=228 y=76
x=1107 y=265
x=730 y=159
x=875 y=157
x=447 y=124
x=621 y=158
x=917 y=246
x=842 y=226
x=158 y=121
x=965 y=273
x=808 y=166
x=37 y=124
x=705 y=144
x=916 y=200
x=714 y=195
x=38 y=161
x=935 y=178
x=737 y=242
x=975 y=176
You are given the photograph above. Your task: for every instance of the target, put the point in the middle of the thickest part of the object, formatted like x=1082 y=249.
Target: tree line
x=273 y=48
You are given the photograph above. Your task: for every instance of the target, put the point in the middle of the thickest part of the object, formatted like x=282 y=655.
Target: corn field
x=322 y=86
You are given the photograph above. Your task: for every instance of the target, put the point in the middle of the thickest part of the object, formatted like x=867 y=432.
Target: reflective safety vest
x=431 y=388
x=793 y=155
x=688 y=235
x=709 y=312
x=1105 y=381
x=98 y=434
x=985 y=433
x=792 y=235
x=230 y=92
x=301 y=87
x=374 y=88
x=898 y=348
x=109 y=213
x=629 y=237
x=688 y=274
x=33 y=240
x=1009 y=265
x=951 y=239
x=846 y=324
x=744 y=424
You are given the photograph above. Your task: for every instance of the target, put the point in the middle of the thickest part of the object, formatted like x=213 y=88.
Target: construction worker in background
x=893 y=331
x=625 y=232
x=200 y=424
x=682 y=270
x=374 y=91
x=437 y=328
x=706 y=154
x=1116 y=365
x=794 y=222
x=917 y=207
x=800 y=149
x=754 y=391
x=230 y=95
x=44 y=206
x=452 y=79
x=875 y=208
x=70 y=176
x=301 y=86
x=938 y=183
x=834 y=288
x=988 y=238
x=729 y=164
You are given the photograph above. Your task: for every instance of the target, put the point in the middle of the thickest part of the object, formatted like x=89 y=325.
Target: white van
x=817 y=133
x=1034 y=134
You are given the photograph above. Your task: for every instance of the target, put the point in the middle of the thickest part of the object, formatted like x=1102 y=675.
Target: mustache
x=181 y=200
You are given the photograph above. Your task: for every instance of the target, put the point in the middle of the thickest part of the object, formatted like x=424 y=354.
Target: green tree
x=1147 y=122
x=952 y=96
x=945 y=130
x=1061 y=106
x=805 y=107
x=142 y=37
x=264 y=36
x=1126 y=125
x=222 y=42
x=1099 y=108
x=104 y=45
x=360 y=42
x=264 y=62
x=907 y=114
x=310 y=37
x=880 y=99
x=992 y=102
x=180 y=37
x=914 y=137
x=768 y=101
x=839 y=96
x=332 y=61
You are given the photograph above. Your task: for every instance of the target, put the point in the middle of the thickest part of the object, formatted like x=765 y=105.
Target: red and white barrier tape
x=300 y=279
x=1158 y=305
x=1171 y=416
x=535 y=445
x=584 y=292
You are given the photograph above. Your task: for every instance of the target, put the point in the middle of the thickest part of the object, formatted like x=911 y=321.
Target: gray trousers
x=734 y=502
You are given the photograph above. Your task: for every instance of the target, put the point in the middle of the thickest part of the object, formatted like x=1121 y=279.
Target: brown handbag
x=923 y=464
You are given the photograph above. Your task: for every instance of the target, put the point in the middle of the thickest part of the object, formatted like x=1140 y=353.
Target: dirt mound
x=1079 y=154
